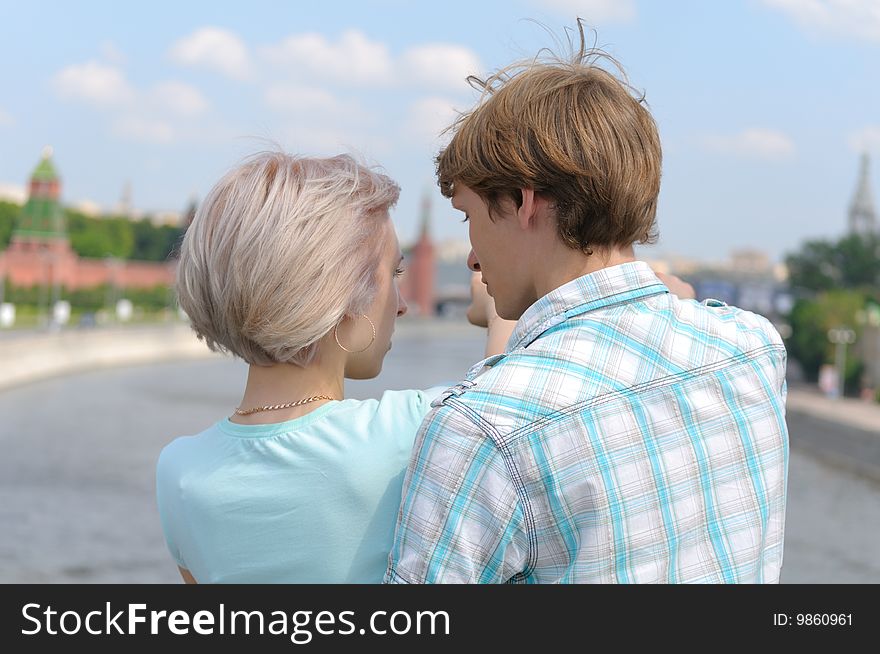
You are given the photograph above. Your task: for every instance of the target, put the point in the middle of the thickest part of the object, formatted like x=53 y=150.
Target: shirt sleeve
x=460 y=520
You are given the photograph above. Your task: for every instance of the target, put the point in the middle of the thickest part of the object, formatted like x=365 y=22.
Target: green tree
x=851 y=262
x=86 y=238
x=153 y=243
x=8 y=215
x=120 y=233
x=810 y=321
x=96 y=238
x=834 y=280
x=861 y=260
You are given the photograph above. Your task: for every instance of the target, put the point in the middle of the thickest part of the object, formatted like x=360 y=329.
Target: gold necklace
x=289 y=405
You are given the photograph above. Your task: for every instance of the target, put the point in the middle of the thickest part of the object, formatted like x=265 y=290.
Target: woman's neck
x=283 y=383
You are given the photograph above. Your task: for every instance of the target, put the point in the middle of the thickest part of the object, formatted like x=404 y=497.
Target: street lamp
x=111 y=296
x=841 y=337
x=43 y=299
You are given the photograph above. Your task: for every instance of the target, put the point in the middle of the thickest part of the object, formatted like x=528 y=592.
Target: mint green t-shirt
x=310 y=500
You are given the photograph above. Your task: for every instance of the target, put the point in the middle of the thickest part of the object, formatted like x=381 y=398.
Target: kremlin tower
x=419 y=291
x=39 y=252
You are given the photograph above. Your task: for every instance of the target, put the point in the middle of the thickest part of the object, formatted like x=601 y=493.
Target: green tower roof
x=45 y=171
x=42 y=217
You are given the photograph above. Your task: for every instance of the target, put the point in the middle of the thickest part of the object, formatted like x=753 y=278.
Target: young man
x=625 y=435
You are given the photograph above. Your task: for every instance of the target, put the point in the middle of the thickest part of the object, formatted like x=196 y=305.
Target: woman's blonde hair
x=281 y=250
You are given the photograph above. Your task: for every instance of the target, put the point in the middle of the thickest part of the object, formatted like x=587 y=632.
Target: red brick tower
x=422 y=266
x=39 y=251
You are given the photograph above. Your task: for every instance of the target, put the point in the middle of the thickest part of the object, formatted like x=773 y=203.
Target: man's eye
x=466 y=217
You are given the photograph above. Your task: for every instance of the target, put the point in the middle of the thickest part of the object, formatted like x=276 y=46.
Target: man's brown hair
x=574 y=133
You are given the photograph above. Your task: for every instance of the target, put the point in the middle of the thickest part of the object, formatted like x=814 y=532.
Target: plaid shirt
x=625 y=436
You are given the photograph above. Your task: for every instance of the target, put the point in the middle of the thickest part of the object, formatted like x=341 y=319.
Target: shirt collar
x=622 y=283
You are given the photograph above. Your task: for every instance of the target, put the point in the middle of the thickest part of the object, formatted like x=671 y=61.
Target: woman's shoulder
x=395 y=416
x=413 y=403
x=186 y=447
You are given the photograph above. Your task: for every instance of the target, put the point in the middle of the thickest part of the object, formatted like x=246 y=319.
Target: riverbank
x=847 y=411
x=30 y=356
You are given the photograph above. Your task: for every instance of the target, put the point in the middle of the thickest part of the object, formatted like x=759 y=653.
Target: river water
x=78 y=456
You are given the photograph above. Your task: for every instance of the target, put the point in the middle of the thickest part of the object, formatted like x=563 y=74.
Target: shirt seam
x=394 y=575
x=653 y=384
x=522 y=495
x=273 y=430
x=604 y=302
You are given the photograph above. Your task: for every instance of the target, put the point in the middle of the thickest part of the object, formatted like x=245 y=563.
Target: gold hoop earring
x=336 y=336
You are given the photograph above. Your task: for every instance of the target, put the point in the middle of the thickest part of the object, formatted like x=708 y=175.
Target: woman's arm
x=187 y=577
x=482 y=313
x=499 y=333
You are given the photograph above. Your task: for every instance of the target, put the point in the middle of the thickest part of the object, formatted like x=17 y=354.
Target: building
x=418 y=286
x=39 y=253
x=862 y=215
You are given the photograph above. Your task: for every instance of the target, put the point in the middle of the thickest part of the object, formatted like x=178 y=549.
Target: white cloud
x=854 y=18
x=356 y=60
x=866 y=139
x=6 y=120
x=315 y=120
x=594 y=11
x=111 y=53
x=353 y=59
x=302 y=99
x=316 y=139
x=214 y=49
x=143 y=129
x=13 y=192
x=153 y=115
x=428 y=117
x=178 y=98
x=754 y=142
x=439 y=65
x=332 y=137
x=94 y=83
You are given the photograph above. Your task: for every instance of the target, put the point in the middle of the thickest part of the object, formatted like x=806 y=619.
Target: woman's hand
x=482 y=313
x=482 y=308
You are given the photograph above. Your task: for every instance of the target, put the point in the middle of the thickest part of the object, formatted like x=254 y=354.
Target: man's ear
x=532 y=207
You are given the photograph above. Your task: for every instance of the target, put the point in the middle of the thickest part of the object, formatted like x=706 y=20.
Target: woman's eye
x=400 y=271
x=465 y=219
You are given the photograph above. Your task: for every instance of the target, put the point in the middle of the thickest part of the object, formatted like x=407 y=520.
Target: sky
x=763 y=106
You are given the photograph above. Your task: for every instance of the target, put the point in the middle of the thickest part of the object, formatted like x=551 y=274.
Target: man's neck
x=569 y=264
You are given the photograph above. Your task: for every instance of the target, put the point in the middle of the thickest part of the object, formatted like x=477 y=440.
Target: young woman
x=292 y=264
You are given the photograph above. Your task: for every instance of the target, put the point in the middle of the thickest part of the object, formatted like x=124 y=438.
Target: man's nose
x=472 y=262
x=402 y=306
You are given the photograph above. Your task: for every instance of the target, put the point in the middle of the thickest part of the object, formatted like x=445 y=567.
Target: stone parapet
x=26 y=358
